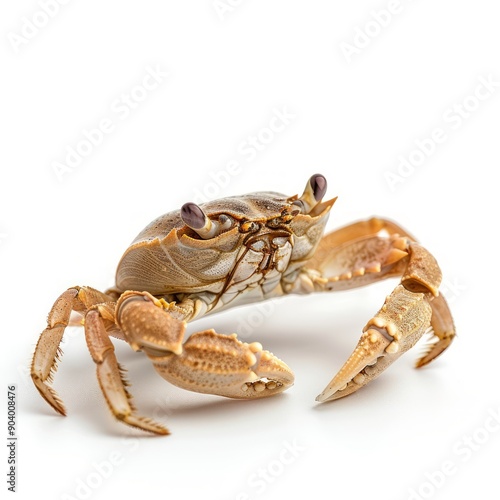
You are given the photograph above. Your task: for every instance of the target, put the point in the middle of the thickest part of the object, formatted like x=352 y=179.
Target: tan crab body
x=234 y=251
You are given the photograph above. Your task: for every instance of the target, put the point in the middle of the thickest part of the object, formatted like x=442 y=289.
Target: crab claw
x=402 y=320
x=220 y=364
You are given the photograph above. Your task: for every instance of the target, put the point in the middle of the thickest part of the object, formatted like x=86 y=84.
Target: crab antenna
x=194 y=217
x=313 y=193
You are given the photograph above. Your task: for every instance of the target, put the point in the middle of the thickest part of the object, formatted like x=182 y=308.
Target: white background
x=354 y=116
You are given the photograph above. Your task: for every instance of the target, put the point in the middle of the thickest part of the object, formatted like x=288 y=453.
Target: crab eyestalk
x=195 y=218
x=313 y=193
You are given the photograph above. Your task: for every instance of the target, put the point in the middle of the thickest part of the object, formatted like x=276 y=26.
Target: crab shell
x=268 y=238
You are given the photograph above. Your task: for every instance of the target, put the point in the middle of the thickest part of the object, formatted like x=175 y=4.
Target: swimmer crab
x=202 y=259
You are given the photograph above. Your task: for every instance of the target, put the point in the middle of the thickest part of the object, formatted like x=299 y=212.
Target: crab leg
x=221 y=364
x=443 y=330
x=207 y=362
x=48 y=352
x=402 y=320
x=347 y=234
x=360 y=253
x=395 y=329
x=378 y=251
x=110 y=375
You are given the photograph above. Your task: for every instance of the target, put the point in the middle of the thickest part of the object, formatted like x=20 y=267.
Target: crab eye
x=318 y=184
x=313 y=193
x=195 y=218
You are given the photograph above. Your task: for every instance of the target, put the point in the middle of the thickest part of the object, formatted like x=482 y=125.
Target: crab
x=238 y=250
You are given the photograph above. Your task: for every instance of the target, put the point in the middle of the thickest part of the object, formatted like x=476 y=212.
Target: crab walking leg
x=47 y=351
x=405 y=316
x=207 y=362
x=110 y=376
x=443 y=330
